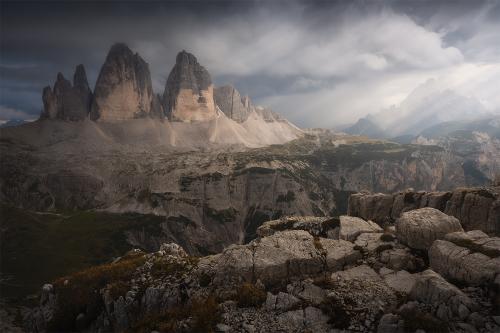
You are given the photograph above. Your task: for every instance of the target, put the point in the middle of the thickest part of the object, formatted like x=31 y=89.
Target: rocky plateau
x=421 y=274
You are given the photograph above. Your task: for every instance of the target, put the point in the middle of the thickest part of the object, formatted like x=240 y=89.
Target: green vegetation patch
x=79 y=292
x=163 y=266
x=38 y=247
x=205 y=314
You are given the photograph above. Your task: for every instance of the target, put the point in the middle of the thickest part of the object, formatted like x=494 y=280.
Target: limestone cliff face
x=229 y=100
x=238 y=108
x=189 y=92
x=123 y=89
x=476 y=208
x=156 y=108
x=215 y=198
x=67 y=101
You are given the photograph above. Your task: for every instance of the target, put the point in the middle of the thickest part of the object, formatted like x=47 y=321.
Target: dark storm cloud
x=275 y=51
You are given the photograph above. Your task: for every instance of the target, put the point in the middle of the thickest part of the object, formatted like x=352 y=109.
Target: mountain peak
x=66 y=101
x=123 y=89
x=229 y=100
x=80 y=78
x=188 y=93
x=60 y=77
x=186 y=57
x=119 y=48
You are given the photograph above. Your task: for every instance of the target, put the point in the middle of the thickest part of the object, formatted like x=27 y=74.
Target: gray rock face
x=289 y=281
x=81 y=85
x=123 y=89
x=362 y=294
x=268 y=114
x=472 y=257
x=419 y=228
x=37 y=319
x=351 y=227
x=281 y=302
x=229 y=100
x=279 y=257
x=448 y=300
x=370 y=242
x=188 y=92
x=67 y=101
x=376 y=207
x=401 y=281
x=316 y=226
x=476 y=208
x=157 y=108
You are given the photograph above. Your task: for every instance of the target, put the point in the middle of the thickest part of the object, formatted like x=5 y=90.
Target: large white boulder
x=419 y=228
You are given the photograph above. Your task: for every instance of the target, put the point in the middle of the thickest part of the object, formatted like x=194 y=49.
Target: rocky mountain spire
x=229 y=100
x=123 y=89
x=81 y=85
x=66 y=101
x=188 y=93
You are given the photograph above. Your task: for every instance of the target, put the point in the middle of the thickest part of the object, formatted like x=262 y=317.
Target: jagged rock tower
x=66 y=101
x=123 y=89
x=229 y=100
x=188 y=94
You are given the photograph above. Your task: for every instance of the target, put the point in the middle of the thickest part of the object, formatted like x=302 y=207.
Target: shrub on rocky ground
x=415 y=319
x=335 y=310
x=249 y=295
x=387 y=237
x=79 y=292
x=200 y=315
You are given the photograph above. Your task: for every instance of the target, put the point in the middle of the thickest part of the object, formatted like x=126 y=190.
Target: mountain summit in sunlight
x=123 y=109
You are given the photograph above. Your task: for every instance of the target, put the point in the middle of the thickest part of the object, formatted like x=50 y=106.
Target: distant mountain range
x=428 y=106
x=488 y=125
x=191 y=112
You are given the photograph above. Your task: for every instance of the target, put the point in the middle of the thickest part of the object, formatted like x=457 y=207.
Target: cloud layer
x=320 y=64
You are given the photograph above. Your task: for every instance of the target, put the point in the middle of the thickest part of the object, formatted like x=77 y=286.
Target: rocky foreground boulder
x=419 y=228
x=279 y=257
x=470 y=257
x=476 y=208
x=297 y=276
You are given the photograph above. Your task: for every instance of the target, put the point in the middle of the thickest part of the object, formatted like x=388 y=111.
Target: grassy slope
x=36 y=248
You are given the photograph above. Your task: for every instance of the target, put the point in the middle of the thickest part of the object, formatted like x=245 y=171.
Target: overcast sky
x=321 y=64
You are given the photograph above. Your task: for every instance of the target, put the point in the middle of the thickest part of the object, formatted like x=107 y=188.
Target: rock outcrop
x=157 y=108
x=446 y=300
x=472 y=258
x=68 y=101
x=123 y=89
x=476 y=208
x=189 y=92
x=351 y=227
x=229 y=100
x=279 y=257
x=316 y=226
x=288 y=280
x=419 y=228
